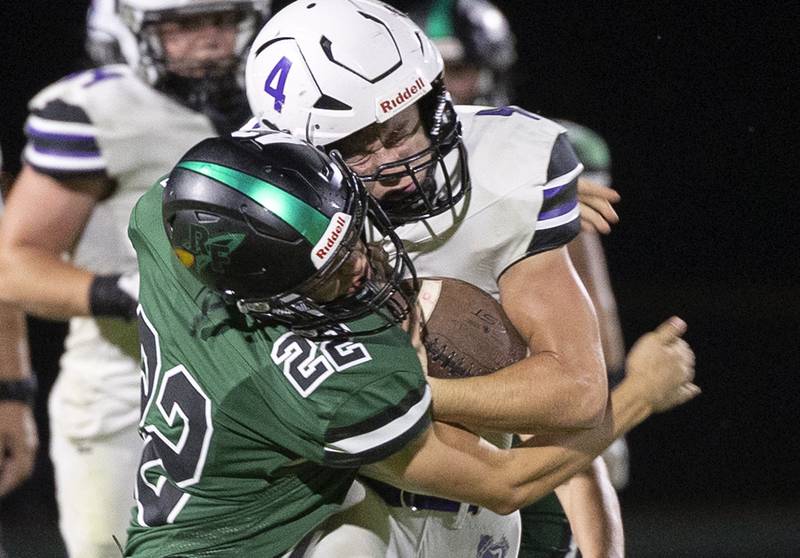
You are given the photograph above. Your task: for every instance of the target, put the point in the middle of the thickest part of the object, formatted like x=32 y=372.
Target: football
x=465 y=331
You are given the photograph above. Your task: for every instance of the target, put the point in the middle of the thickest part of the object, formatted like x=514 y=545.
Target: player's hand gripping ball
x=465 y=331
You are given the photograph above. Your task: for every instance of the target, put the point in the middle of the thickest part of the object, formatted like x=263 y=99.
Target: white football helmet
x=325 y=69
x=223 y=80
x=108 y=39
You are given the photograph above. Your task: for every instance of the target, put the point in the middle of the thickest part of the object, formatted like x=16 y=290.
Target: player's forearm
x=42 y=284
x=505 y=480
x=592 y=507
x=546 y=461
x=563 y=386
x=534 y=395
x=15 y=364
x=586 y=253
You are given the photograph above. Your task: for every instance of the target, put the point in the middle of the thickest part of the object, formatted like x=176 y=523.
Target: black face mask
x=429 y=197
x=219 y=97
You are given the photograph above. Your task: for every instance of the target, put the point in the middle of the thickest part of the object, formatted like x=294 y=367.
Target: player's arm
x=18 y=437
x=43 y=220
x=63 y=178
x=586 y=253
x=588 y=498
x=562 y=385
x=592 y=507
x=595 y=198
x=450 y=462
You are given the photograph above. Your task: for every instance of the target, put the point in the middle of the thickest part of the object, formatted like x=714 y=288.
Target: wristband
x=23 y=390
x=106 y=298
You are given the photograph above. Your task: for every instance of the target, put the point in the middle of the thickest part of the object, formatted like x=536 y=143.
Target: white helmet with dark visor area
x=326 y=69
x=208 y=86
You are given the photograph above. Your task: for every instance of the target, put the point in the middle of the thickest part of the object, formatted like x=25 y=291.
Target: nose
x=385 y=161
x=208 y=40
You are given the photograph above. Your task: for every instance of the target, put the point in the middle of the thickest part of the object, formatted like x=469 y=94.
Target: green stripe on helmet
x=306 y=220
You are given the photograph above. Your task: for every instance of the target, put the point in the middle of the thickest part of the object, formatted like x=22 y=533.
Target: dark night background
x=698 y=105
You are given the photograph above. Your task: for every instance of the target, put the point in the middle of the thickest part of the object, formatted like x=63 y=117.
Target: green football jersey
x=252 y=435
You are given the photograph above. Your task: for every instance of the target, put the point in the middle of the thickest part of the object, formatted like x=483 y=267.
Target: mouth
x=399 y=193
x=359 y=276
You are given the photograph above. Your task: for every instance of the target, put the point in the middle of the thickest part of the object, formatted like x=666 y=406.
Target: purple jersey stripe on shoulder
x=552 y=192
x=33 y=132
x=65 y=153
x=558 y=211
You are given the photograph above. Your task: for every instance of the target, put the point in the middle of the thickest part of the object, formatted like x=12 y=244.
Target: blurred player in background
x=479 y=53
x=370 y=85
x=274 y=330
x=96 y=140
x=18 y=435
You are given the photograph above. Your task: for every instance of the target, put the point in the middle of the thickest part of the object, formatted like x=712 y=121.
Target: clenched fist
x=661 y=364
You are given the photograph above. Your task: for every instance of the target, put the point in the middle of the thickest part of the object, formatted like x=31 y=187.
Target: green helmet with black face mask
x=266 y=220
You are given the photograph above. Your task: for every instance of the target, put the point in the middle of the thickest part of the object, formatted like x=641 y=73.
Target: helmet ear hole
x=205 y=217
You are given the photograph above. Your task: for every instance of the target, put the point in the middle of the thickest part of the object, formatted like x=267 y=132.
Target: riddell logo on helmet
x=404 y=98
x=331 y=240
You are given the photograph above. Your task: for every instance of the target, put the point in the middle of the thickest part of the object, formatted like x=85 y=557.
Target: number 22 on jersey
x=177 y=429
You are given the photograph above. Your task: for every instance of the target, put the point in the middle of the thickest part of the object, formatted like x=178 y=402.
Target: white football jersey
x=106 y=122
x=523 y=200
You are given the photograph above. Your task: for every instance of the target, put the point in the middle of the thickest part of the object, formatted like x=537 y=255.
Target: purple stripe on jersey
x=31 y=131
x=558 y=211
x=100 y=74
x=550 y=192
x=66 y=153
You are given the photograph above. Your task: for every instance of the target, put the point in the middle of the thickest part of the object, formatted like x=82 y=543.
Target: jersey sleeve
x=378 y=420
x=62 y=142
x=558 y=220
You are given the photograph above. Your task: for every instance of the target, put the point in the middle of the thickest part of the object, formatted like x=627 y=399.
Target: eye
x=358 y=161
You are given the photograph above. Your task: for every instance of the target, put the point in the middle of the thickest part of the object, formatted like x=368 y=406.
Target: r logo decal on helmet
x=198 y=248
